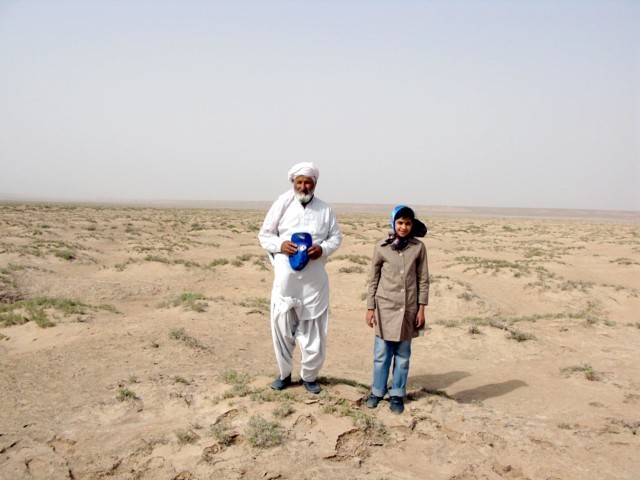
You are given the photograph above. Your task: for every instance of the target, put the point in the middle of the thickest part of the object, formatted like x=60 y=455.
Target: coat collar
x=412 y=241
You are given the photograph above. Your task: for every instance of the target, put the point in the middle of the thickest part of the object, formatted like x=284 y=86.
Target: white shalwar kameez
x=300 y=299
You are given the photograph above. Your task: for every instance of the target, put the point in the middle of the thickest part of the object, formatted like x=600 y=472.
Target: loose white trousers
x=311 y=335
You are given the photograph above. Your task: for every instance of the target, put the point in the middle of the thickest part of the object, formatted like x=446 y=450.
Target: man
x=300 y=297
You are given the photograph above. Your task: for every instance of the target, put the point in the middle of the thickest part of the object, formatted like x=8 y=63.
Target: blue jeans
x=383 y=352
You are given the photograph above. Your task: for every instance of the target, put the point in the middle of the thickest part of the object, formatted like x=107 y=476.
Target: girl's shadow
x=433 y=385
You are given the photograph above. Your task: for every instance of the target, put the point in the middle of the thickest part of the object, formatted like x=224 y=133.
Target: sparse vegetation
x=195 y=302
x=11 y=318
x=448 y=323
x=283 y=410
x=474 y=330
x=357 y=259
x=495 y=283
x=125 y=393
x=520 y=336
x=263 y=433
x=180 y=379
x=354 y=269
x=237 y=390
x=222 y=433
x=501 y=323
x=181 y=334
x=267 y=394
x=177 y=261
x=239 y=383
x=65 y=254
x=218 y=262
x=256 y=304
x=35 y=310
x=588 y=371
x=576 y=285
x=489 y=265
x=624 y=261
x=233 y=377
x=467 y=296
x=361 y=420
x=186 y=436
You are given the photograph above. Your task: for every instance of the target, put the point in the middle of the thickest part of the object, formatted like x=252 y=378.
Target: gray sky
x=463 y=103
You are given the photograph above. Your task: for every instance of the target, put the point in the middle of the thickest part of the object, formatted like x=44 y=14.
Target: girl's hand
x=371 y=318
x=420 y=318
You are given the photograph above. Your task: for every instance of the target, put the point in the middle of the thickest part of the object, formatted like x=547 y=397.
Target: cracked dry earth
x=135 y=344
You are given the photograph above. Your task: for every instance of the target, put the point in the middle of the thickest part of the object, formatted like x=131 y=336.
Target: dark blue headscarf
x=418 y=229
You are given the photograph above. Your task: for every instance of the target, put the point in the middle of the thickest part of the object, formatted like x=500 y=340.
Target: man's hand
x=288 y=248
x=371 y=318
x=314 y=252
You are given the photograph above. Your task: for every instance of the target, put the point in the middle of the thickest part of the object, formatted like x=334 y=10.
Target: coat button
x=402 y=290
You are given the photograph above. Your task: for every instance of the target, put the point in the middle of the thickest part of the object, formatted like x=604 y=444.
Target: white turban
x=305 y=169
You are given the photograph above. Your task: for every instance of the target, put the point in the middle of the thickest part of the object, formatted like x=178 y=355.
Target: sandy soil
x=135 y=344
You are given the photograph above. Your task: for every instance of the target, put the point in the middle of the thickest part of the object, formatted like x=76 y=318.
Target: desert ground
x=135 y=344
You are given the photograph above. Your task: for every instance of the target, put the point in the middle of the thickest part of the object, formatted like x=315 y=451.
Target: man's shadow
x=434 y=385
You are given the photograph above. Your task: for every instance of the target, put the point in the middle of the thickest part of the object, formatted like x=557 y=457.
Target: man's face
x=303 y=185
x=304 y=188
x=403 y=226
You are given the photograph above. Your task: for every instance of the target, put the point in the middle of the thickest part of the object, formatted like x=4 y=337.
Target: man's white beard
x=304 y=198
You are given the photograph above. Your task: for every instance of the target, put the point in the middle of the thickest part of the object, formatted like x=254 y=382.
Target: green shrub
x=232 y=377
x=283 y=410
x=125 y=394
x=181 y=334
x=588 y=371
x=221 y=433
x=65 y=254
x=218 y=262
x=354 y=269
x=191 y=301
x=520 y=336
x=8 y=319
x=263 y=433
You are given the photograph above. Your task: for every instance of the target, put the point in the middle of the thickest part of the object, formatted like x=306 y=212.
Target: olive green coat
x=398 y=282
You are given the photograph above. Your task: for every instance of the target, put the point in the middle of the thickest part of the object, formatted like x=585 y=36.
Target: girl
x=397 y=293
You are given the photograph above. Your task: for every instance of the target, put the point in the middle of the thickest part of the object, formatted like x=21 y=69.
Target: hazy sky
x=471 y=103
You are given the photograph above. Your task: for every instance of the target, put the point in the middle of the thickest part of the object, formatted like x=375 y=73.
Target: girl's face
x=403 y=226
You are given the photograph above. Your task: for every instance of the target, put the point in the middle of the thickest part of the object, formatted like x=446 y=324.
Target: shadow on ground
x=485 y=392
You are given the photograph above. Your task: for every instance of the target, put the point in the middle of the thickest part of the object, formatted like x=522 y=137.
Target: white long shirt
x=309 y=286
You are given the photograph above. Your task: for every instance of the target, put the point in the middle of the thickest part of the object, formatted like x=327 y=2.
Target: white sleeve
x=269 y=235
x=269 y=239
x=334 y=237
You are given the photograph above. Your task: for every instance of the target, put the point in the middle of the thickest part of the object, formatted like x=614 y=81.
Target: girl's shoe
x=397 y=405
x=373 y=401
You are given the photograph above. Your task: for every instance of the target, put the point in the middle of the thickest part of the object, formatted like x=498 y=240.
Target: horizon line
x=457 y=210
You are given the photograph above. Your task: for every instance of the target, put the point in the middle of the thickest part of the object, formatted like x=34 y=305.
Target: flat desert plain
x=135 y=344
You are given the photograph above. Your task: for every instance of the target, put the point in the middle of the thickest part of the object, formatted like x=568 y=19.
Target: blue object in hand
x=301 y=258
